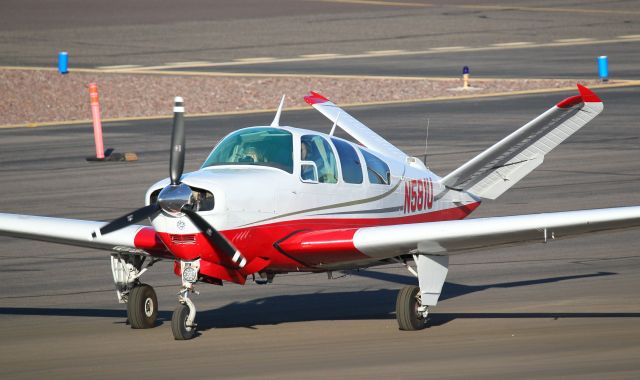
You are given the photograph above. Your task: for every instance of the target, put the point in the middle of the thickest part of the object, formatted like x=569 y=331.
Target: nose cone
x=174 y=197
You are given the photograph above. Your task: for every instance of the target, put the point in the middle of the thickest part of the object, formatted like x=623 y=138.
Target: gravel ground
x=39 y=96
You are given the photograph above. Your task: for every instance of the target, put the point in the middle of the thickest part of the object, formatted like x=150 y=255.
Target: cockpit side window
x=255 y=146
x=349 y=161
x=315 y=148
x=377 y=169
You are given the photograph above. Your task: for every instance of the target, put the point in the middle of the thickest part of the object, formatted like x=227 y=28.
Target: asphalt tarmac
x=567 y=309
x=157 y=32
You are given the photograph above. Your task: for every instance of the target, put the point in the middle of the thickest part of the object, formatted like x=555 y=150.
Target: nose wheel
x=180 y=326
x=183 y=325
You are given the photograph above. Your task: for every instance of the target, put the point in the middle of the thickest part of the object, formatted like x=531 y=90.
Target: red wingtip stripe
x=315 y=98
x=570 y=102
x=588 y=95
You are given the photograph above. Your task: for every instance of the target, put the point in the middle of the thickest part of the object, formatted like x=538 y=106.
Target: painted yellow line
x=628 y=83
x=384 y=3
x=630 y=36
x=545 y=9
x=118 y=67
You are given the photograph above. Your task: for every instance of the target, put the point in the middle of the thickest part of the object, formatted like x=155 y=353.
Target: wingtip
x=315 y=98
x=587 y=95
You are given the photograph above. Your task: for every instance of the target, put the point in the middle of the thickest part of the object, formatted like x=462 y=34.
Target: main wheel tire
x=407 y=304
x=142 y=307
x=179 y=323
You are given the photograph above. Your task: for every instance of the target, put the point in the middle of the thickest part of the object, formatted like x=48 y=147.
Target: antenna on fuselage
x=333 y=129
x=426 y=143
x=276 y=120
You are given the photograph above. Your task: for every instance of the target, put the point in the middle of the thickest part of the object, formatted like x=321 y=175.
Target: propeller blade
x=129 y=219
x=215 y=238
x=176 y=161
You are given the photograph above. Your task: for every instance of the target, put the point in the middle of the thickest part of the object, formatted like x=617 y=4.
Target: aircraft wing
x=456 y=236
x=498 y=168
x=353 y=127
x=131 y=239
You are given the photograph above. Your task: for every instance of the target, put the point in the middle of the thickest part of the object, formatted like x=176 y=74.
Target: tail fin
x=353 y=127
x=495 y=170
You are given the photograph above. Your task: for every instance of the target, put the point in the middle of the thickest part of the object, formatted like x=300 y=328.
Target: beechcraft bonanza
x=324 y=204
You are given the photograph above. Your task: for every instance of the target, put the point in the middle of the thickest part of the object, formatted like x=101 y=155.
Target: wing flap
x=498 y=168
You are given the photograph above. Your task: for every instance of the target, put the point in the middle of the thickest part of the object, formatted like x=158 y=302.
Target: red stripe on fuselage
x=259 y=240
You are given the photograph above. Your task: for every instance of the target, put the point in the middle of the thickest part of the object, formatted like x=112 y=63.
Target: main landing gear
x=412 y=303
x=141 y=299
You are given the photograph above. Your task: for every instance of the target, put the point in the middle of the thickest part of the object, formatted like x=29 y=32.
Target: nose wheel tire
x=407 y=309
x=142 y=307
x=179 y=323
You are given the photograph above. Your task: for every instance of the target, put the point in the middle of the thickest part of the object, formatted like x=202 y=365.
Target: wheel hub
x=148 y=307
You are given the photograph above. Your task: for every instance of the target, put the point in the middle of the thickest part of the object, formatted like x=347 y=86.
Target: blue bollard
x=603 y=68
x=63 y=62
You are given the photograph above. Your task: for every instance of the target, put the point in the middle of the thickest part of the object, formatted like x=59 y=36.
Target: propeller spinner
x=176 y=199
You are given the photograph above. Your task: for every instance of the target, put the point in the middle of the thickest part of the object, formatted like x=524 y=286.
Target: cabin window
x=349 y=161
x=377 y=170
x=317 y=150
x=255 y=146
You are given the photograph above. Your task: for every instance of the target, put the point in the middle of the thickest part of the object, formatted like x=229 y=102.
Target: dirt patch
x=37 y=96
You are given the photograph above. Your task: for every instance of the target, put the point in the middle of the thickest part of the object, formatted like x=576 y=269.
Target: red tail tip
x=588 y=95
x=315 y=98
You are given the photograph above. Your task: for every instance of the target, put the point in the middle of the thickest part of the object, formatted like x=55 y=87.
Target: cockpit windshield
x=262 y=146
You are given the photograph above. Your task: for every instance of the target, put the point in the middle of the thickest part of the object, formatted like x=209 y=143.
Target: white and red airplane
x=274 y=199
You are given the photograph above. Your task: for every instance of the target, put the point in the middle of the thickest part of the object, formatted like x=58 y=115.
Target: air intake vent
x=183 y=239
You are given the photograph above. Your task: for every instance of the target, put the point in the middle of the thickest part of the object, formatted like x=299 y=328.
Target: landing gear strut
x=412 y=304
x=183 y=323
x=141 y=299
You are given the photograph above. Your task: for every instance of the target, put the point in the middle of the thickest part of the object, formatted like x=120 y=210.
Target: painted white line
x=325 y=55
x=437 y=50
x=189 y=63
x=507 y=44
x=447 y=48
x=256 y=59
x=118 y=67
x=569 y=40
x=630 y=36
x=376 y=52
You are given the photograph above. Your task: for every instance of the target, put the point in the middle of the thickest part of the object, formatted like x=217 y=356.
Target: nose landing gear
x=183 y=323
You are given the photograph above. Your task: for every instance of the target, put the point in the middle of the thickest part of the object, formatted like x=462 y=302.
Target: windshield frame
x=284 y=163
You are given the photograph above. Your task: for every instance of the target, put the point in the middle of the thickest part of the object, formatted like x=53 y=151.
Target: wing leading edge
x=132 y=239
x=457 y=236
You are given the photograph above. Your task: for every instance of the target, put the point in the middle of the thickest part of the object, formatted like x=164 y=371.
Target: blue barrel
x=603 y=68
x=63 y=62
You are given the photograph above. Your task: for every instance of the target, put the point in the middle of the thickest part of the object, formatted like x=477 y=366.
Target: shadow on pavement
x=368 y=304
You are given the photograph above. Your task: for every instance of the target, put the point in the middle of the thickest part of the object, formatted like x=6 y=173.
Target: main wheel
x=179 y=323
x=407 y=305
x=142 y=307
